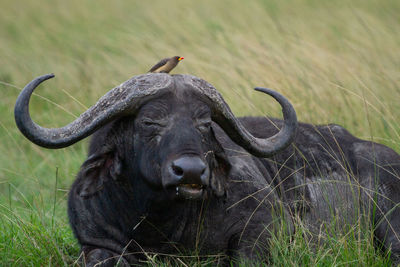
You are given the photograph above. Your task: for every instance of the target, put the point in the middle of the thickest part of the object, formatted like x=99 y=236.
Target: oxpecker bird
x=166 y=65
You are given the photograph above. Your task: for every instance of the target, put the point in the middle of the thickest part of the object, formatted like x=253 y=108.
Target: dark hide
x=120 y=210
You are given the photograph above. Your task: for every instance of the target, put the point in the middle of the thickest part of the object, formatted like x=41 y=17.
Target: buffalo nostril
x=177 y=170
x=188 y=170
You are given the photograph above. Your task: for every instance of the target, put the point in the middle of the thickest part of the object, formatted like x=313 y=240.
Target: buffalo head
x=170 y=140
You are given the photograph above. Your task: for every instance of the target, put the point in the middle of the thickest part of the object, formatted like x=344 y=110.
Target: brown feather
x=161 y=63
x=165 y=65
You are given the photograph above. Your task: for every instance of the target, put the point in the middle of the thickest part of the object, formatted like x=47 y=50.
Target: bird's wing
x=161 y=63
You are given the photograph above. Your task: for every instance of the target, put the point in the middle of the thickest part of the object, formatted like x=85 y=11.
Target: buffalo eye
x=204 y=126
x=152 y=123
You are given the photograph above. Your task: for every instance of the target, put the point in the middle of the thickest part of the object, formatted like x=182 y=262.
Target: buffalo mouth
x=189 y=191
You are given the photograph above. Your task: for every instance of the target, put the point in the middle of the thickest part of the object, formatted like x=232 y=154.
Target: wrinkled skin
x=121 y=204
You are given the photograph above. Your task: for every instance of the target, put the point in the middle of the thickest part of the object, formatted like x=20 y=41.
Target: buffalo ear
x=96 y=171
x=219 y=175
x=220 y=166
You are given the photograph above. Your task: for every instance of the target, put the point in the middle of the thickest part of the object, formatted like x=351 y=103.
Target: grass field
x=337 y=61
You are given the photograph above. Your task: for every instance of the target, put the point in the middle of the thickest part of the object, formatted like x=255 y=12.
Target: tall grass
x=336 y=61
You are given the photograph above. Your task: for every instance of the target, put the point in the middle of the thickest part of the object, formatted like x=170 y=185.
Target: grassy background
x=336 y=61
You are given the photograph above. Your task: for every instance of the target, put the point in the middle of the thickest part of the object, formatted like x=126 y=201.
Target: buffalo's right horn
x=124 y=99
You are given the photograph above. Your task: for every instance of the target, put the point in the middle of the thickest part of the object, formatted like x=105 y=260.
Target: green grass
x=337 y=61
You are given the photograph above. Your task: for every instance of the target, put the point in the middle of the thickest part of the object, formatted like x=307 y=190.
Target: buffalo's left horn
x=223 y=116
x=261 y=147
x=124 y=99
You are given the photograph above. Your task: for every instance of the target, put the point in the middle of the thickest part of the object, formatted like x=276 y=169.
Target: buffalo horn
x=124 y=99
x=223 y=116
x=129 y=96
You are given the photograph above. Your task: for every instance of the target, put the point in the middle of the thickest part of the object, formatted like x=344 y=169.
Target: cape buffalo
x=170 y=170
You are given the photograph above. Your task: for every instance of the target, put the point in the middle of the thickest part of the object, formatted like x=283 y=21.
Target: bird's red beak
x=180 y=58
